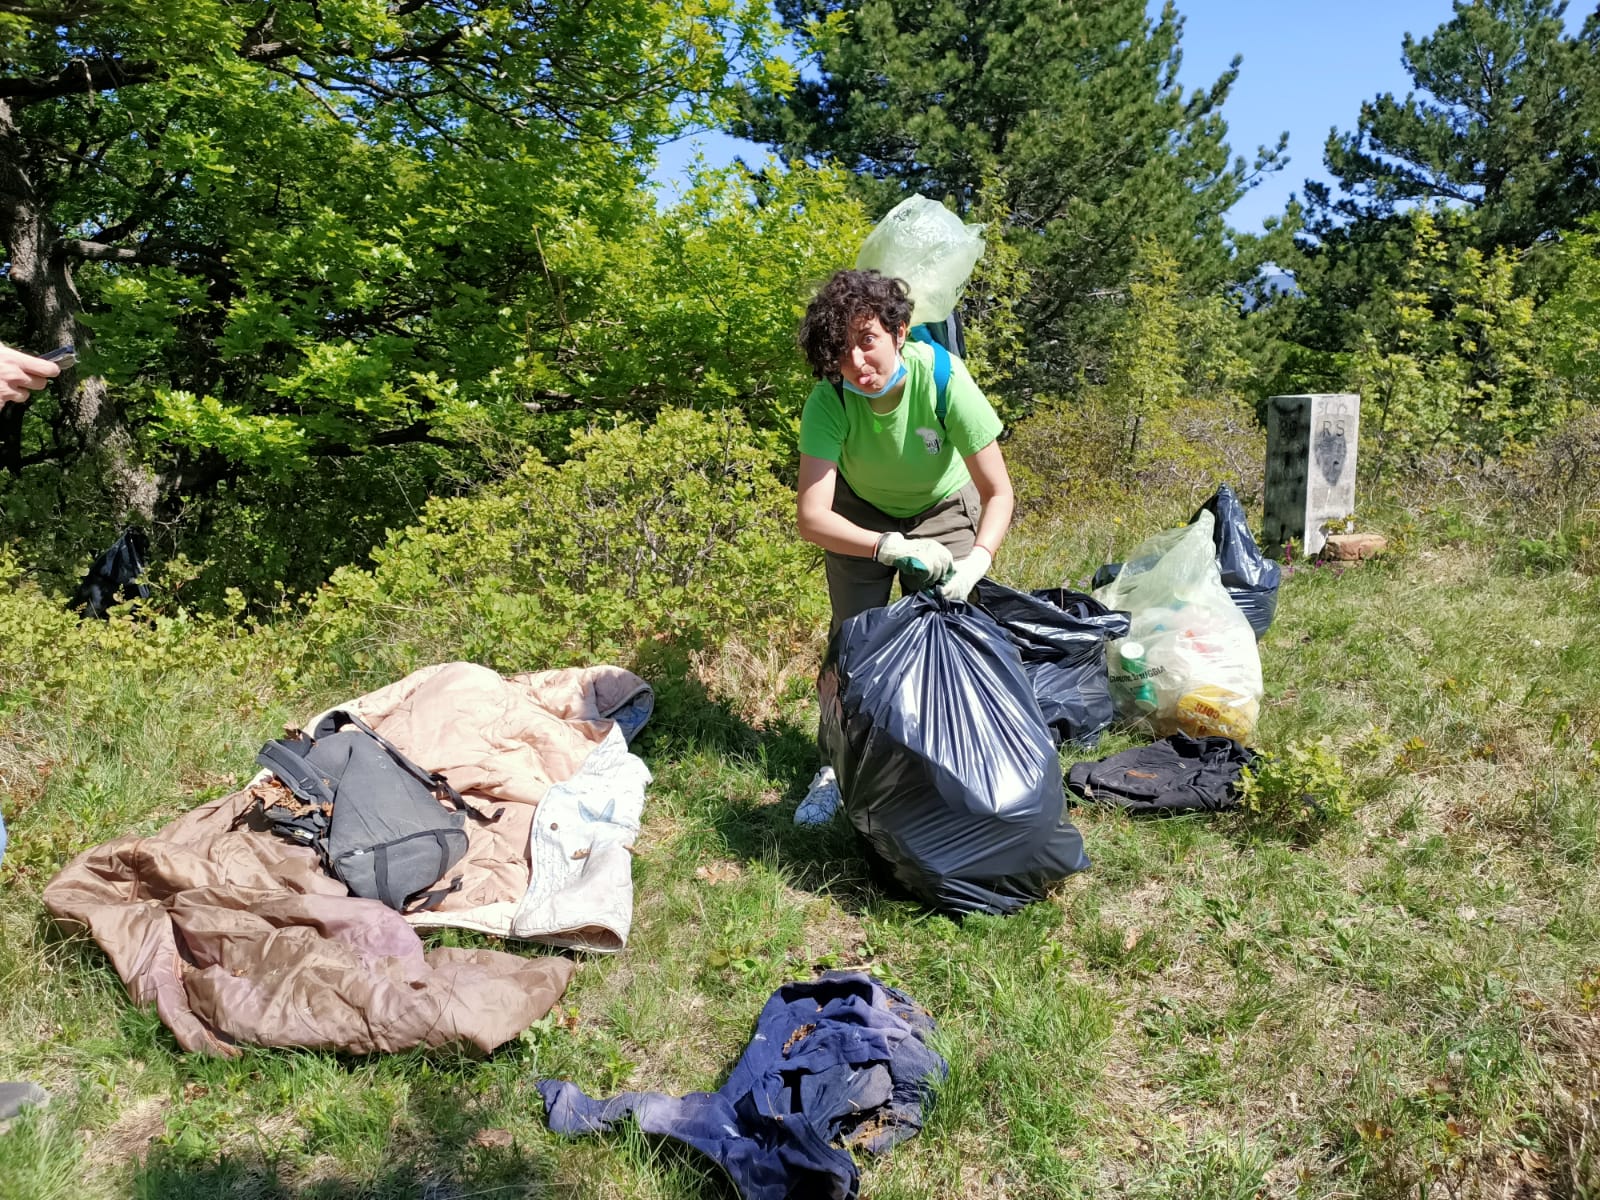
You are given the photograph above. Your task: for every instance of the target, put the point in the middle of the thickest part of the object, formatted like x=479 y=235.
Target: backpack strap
x=435 y=782
x=941 y=382
x=286 y=758
x=428 y=899
x=423 y=901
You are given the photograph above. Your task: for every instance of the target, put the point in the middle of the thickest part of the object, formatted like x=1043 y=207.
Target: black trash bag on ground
x=115 y=575
x=946 y=766
x=1251 y=577
x=1061 y=636
x=1105 y=575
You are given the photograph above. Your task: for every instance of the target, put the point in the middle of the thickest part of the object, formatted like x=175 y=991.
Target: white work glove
x=896 y=550
x=966 y=575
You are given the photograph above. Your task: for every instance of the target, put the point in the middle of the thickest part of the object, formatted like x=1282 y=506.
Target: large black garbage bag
x=1250 y=576
x=947 y=768
x=114 y=576
x=1061 y=636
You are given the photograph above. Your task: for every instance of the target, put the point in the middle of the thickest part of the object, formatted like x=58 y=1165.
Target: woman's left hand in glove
x=966 y=575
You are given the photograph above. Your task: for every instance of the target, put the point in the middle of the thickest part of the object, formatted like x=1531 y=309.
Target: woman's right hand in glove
x=909 y=554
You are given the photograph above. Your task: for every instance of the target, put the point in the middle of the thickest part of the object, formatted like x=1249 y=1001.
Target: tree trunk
x=41 y=273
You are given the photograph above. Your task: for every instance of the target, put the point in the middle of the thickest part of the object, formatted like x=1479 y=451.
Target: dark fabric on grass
x=1176 y=774
x=837 y=1062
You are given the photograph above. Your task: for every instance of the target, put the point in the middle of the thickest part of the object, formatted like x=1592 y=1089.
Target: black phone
x=62 y=356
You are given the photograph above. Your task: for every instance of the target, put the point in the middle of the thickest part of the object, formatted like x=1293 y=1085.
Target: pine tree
x=1074 y=104
x=1502 y=123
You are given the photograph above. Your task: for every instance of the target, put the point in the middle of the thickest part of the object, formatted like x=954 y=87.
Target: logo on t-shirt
x=930 y=439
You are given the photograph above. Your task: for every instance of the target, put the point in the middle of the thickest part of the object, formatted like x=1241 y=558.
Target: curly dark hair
x=839 y=305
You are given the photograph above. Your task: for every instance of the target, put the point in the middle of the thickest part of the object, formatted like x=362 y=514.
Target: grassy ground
x=1403 y=1004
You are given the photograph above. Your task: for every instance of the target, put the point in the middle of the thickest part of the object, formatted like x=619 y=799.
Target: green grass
x=1404 y=1003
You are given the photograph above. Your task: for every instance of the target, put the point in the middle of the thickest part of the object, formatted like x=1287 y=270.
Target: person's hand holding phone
x=22 y=374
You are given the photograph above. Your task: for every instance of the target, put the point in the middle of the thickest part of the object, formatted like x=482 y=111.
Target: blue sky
x=1307 y=67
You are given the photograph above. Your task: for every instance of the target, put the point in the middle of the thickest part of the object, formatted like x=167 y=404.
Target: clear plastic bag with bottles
x=1189 y=663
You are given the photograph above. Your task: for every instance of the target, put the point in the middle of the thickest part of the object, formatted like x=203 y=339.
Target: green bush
x=673 y=535
x=1552 y=494
x=1074 y=455
x=46 y=651
x=1297 y=789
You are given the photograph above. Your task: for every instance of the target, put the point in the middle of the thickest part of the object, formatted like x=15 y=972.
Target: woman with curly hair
x=886 y=487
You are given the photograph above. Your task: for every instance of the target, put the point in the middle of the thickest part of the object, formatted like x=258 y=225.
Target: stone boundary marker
x=1311 y=468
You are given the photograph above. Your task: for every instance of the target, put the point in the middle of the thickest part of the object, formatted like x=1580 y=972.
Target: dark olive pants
x=857 y=584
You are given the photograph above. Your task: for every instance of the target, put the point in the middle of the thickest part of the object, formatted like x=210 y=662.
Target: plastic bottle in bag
x=1130 y=680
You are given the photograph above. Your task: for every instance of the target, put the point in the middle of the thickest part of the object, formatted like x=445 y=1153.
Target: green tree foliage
x=1438 y=315
x=1167 y=348
x=1170 y=414
x=1451 y=359
x=1145 y=372
x=1569 y=321
x=698 y=304
x=1075 y=106
x=1501 y=122
x=993 y=304
x=291 y=234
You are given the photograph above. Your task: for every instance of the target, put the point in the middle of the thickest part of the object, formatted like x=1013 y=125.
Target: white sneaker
x=822 y=800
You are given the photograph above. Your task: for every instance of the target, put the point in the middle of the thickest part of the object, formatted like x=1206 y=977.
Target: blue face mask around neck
x=894 y=382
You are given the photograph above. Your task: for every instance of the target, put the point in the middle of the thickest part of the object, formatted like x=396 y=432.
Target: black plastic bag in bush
x=947 y=768
x=115 y=576
x=1061 y=636
x=1251 y=577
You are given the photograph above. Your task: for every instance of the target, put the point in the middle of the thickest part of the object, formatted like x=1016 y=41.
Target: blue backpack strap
x=941 y=370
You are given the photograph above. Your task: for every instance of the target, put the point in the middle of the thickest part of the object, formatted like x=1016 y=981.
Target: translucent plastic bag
x=924 y=243
x=1189 y=663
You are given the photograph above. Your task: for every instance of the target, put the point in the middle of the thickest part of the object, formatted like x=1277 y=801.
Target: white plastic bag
x=924 y=243
x=1201 y=670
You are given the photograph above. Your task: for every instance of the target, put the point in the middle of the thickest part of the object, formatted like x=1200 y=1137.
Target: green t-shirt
x=902 y=462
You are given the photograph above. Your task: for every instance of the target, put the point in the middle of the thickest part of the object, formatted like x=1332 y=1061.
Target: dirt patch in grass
x=835 y=939
x=129 y=1136
x=757 y=683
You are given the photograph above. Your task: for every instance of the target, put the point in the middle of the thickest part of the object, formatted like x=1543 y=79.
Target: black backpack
x=375 y=818
x=116 y=575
